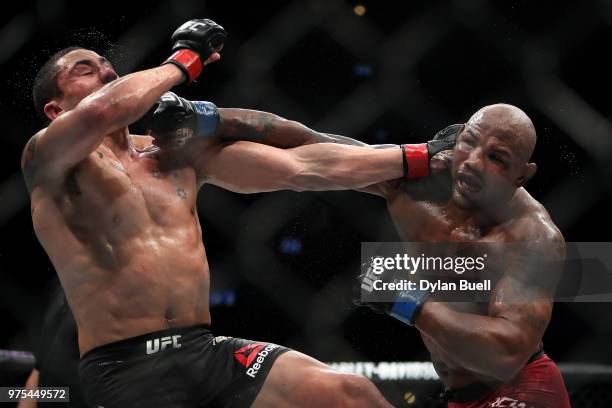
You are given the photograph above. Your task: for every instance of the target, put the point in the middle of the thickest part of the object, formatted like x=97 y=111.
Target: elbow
x=514 y=352
x=105 y=114
x=506 y=368
x=96 y=113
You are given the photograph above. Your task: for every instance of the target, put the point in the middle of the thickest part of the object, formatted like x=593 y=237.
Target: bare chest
x=128 y=192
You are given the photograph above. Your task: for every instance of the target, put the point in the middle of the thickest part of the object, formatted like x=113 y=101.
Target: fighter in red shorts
x=487 y=354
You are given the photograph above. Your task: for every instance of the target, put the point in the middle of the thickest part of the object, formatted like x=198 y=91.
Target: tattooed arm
x=499 y=345
x=29 y=166
x=268 y=128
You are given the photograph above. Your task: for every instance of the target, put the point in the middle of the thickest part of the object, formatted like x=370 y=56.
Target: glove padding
x=201 y=35
x=443 y=140
x=193 y=43
x=173 y=119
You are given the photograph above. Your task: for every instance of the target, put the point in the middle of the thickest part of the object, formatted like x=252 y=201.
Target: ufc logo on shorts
x=505 y=402
x=155 y=345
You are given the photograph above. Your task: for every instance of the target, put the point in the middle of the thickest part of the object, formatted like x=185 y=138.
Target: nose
x=108 y=75
x=474 y=161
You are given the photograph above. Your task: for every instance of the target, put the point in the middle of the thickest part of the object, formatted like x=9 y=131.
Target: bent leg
x=297 y=380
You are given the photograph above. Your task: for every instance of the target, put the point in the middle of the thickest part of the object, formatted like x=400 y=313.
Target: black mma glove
x=193 y=43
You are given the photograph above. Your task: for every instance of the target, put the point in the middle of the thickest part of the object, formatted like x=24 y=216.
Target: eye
x=497 y=159
x=468 y=142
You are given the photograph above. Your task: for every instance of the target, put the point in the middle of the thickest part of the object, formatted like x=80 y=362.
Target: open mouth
x=468 y=183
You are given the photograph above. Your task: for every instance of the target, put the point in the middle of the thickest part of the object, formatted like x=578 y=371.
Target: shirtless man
x=116 y=213
x=486 y=354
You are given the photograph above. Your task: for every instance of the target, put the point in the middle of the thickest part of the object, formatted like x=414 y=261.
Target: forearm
x=484 y=344
x=336 y=167
x=126 y=99
x=270 y=129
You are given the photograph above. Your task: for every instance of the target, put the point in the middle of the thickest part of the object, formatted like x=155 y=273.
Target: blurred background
x=282 y=264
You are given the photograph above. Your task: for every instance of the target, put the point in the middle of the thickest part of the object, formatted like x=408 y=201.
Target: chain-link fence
x=283 y=263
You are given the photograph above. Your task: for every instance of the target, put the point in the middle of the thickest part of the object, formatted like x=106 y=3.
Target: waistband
x=476 y=391
x=149 y=342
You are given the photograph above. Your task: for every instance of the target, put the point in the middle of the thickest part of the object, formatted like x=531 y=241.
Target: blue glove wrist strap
x=407 y=304
x=207 y=118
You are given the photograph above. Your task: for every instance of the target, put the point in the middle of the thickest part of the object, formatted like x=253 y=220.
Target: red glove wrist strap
x=417 y=157
x=190 y=60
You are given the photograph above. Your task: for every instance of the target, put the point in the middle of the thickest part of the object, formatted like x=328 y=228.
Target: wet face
x=489 y=162
x=81 y=72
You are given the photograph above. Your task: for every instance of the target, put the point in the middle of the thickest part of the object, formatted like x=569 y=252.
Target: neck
x=496 y=214
x=120 y=142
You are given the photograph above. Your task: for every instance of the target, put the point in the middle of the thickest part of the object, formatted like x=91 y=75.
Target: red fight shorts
x=538 y=385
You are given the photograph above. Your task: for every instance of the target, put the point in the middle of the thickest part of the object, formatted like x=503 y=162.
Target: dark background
x=282 y=263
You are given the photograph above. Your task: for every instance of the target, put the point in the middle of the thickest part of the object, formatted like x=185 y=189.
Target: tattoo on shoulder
x=28 y=164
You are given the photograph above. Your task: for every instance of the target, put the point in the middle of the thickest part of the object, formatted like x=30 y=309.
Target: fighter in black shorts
x=178 y=367
x=116 y=213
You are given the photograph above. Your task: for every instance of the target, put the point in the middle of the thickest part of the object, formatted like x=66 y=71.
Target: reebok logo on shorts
x=254 y=354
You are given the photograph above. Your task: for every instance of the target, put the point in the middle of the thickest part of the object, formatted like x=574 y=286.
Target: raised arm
x=79 y=123
x=73 y=135
x=248 y=167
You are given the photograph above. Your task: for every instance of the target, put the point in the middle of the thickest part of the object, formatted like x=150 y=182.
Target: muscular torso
x=423 y=220
x=123 y=234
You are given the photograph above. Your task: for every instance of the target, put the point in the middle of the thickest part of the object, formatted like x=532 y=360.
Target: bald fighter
x=116 y=214
x=487 y=354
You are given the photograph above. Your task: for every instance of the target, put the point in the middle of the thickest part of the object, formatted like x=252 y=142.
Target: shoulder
x=536 y=227
x=535 y=223
x=29 y=149
x=29 y=162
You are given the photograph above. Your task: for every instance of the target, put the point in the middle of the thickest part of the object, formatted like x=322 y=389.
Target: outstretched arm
x=270 y=129
x=248 y=167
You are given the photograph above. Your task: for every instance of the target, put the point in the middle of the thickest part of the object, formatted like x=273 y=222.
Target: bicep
x=524 y=294
x=247 y=167
x=527 y=309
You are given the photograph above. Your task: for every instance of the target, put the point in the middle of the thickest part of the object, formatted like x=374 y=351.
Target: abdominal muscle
x=157 y=281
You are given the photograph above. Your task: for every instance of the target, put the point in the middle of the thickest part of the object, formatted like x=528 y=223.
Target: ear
x=529 y=170
x=53 y=110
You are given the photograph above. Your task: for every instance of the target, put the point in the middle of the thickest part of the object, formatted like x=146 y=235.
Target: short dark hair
x=45 y=84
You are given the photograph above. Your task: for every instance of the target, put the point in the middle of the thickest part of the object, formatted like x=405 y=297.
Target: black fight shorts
x=185 y=367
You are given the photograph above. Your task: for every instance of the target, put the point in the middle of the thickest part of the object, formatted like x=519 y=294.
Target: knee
x=357 y=391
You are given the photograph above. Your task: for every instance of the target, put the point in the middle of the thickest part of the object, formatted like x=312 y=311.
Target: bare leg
x=297 y=380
